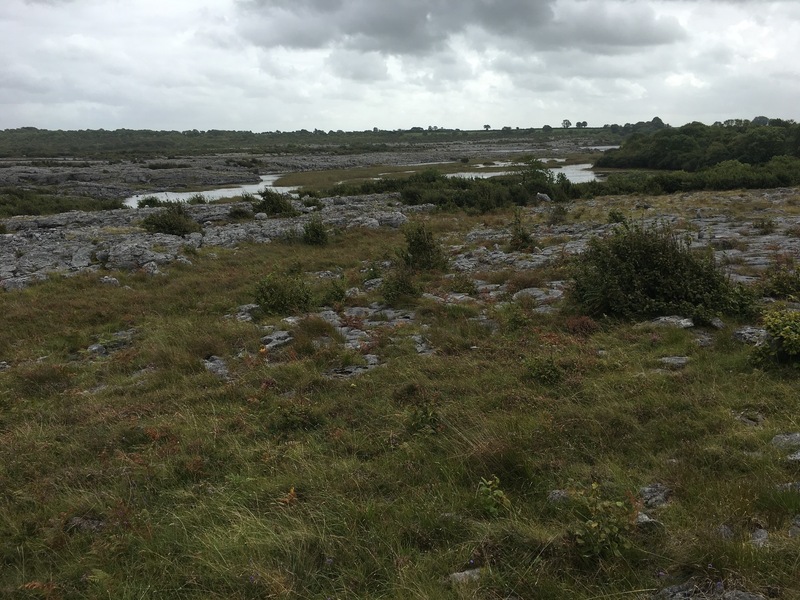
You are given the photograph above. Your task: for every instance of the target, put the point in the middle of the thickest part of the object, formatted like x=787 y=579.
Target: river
x=575 y=173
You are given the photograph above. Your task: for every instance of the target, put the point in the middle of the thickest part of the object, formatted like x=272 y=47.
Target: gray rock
x=541 y=295
x=97 y=349
x=672 y=321
x=739 y=595
x=759 y=538
x=558 y=496
x=786 y=440
x=677 y=592
x=794 y=529
x=217 y=366
x=107 y=280
x=245 y=312
x=674 y=362
x=725 y=532
x=465 y=576
x=276 y=339
x=646 y=522
x=753 y=336
x=4 y=365
x=542 y=197
x=655 y=495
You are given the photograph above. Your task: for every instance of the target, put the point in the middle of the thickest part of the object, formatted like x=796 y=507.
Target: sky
x=267 y=65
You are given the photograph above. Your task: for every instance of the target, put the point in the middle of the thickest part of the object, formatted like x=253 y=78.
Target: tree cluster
x=696 y=146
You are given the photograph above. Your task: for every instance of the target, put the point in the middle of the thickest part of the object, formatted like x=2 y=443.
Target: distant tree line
x=136 y=144
x=696 y=146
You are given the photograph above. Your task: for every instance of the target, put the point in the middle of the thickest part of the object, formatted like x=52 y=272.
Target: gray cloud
x=413 y=27
x=354 y=64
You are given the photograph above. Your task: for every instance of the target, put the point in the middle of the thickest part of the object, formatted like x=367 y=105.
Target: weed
x=281 y=294
x=604 y=526
x=492 y=498
x=764 y=226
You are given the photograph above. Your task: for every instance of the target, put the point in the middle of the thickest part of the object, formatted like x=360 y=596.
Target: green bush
x=196 y=199
x=604 y=527
x=782 y=281
x=650 y=271
x=521 y=239
x=314 y=232
x=239 y=213
x=150 y=202
x=274 y=204
x=399 y=285
x=173 y=220
x=280 y=294
x=783 y=329
x=422 y=251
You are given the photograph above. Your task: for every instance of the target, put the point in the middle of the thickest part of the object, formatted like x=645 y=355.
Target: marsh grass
x=140 y=474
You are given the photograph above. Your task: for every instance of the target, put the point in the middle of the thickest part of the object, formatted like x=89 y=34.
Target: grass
x=140 y=474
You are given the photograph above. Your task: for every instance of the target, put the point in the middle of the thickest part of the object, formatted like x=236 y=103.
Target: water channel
x=575 y=173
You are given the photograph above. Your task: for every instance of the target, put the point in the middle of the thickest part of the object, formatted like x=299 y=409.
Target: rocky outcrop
x=75 y=242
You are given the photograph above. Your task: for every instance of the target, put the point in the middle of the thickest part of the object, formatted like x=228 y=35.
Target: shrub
x=398 y=285
x=782 y=280
x=3 y=228
x=280 y=294
x=314 y=232
x=274 y=204
x=197 y=199
x=557 y=215
x=604 y=526
x=521 y=239
x=149 y=202
x=616 y=216
x=650 y=271
x=783 y=329
x=238 y=213
x=422 y=251
x=334 y=293
x=173 y=220
x=492 y=498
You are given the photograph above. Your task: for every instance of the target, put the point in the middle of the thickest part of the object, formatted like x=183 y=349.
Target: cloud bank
x=263 y=65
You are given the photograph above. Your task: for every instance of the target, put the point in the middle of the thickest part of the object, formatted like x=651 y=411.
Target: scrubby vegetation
x=20 y=201
x=173 y=219
x=516 y=452
x=649 y=271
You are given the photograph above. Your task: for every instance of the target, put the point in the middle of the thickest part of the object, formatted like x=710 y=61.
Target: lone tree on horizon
x=566 y=123
x=487 y=127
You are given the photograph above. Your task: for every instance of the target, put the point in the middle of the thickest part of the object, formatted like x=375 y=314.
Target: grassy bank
x=137 y=473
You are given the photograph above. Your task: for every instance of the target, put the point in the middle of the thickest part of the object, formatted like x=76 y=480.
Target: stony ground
x=749 y=232
x=119 y=179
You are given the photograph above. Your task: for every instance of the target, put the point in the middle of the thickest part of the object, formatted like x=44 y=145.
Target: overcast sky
x=265 y=65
